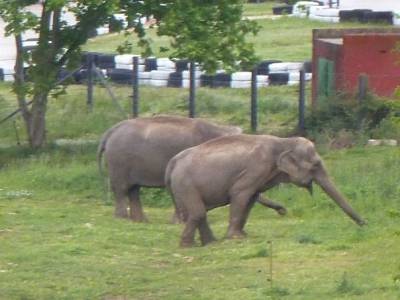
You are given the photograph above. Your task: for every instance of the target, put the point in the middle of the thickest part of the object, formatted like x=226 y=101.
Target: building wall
x=369 y=51
x=324 y=51
x=375 y=56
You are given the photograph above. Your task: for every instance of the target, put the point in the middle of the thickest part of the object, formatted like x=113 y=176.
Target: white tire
x=240 y=84
x=294 y=76
x=396 y=18
x=144 y=75
x=241 y=76
x=127 y=59
x=9 y=77
x=328 y=12
x=186 y=83
x=158 y=82
x=277 y=67
x=262 y=80
x=159 y=75
x=102 y=30
x=165 y=63
x=186 y=74
x=128 y=67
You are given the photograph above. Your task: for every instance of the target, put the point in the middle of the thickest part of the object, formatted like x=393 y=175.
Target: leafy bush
x=343 y=117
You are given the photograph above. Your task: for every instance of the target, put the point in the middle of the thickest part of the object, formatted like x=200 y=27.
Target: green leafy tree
x=208 y=32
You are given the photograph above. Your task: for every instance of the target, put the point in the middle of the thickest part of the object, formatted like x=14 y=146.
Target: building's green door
x=326 y=79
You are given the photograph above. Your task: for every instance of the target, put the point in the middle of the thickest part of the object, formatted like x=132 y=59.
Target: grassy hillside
x=286 y=38
x=59 y=239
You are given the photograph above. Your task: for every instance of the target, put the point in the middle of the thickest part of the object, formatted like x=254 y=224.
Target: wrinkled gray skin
x=137 y=152
x=234 y=170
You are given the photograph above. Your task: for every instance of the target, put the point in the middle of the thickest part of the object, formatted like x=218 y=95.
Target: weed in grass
x=346 y=286
x=393 y=213
x=276 y=292
x=339 y=247
x=259 y=253
x=396 y=277
x=307 y=239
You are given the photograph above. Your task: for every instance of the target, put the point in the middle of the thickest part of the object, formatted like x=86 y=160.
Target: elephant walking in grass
x=137 y=152
x=235 y=170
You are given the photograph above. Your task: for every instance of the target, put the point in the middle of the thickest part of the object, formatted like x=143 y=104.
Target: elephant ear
x=287 y=163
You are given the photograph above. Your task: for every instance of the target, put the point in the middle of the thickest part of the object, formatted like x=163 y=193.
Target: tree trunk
x=37 y=133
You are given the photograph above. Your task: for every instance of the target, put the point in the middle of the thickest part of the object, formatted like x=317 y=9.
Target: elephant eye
x=316 y=165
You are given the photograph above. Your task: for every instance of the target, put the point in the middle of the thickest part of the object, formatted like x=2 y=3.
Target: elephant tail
x=100 y=150
x=168 y=172
x=102 y=145
x=180 y=215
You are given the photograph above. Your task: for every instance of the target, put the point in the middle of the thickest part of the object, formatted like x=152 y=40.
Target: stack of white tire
x=396 y=18
x=302 y=8
x=324 y=13
x=125 y=61
x=186 y=78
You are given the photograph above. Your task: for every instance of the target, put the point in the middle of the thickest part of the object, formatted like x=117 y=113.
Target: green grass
x=286 y=38
x=59 y=240
x=259 y=9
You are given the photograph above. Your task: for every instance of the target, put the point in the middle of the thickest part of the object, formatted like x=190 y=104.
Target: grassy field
x=59 y=239
x=287 y=38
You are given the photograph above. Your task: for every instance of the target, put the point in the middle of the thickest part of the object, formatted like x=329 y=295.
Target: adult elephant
x=137 y=152
x=235 y=170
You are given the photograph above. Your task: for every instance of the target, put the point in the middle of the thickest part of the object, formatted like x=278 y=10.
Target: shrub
x=342 y=116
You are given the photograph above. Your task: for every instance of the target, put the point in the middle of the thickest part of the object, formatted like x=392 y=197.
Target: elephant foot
x=139 y=219
x=236 y=234
x=121 y=215
x=207 y=240
x=282 y=211
x=186 y=244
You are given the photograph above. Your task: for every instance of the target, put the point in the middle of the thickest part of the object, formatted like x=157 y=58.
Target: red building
x=340 y=56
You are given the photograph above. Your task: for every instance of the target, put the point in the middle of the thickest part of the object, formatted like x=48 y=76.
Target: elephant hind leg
x=121 y=205
x=196 y=219
x=135 y=206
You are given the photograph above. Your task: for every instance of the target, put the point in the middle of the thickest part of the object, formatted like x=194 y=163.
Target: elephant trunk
x=326 y=184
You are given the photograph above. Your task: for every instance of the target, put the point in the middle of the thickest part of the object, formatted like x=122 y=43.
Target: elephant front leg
x=206 y=235
x=271 y=204
x=239 y=211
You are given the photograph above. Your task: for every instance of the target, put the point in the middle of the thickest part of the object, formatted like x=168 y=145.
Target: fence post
x=90 y=65
x=254 y=100
x=135 y=96
x=192 y=90
x=362 y=87
x=302 y=90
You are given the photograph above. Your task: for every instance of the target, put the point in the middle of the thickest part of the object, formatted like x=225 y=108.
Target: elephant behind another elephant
x=137 y=152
